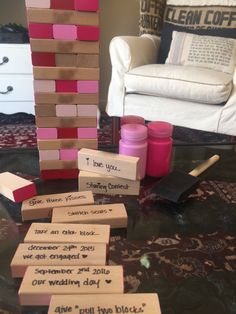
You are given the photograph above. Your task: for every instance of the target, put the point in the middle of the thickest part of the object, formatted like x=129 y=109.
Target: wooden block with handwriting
x=41 y=206
x=56 y=254
x=108 y=163
x=16 y=188
x=145 y=303
x=99 y=183
x=41 y=282
x=67 y=233
x=114 y=215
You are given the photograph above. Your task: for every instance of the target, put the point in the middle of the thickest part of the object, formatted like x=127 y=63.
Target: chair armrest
x=126 y=53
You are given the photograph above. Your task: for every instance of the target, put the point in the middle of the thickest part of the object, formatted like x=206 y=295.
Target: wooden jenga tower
x=64 y=38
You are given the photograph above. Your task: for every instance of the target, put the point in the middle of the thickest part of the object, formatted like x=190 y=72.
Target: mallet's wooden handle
x=204 y=166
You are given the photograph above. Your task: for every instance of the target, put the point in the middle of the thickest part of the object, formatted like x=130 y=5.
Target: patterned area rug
x=18 y=130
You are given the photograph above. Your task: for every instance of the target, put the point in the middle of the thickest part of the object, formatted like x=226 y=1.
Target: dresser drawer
x=15 y=59
x=16 y=88
x=14 y=106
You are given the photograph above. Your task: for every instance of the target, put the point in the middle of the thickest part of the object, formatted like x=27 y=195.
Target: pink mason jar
x=159 y=148
x=131 y=119
x=133 y=142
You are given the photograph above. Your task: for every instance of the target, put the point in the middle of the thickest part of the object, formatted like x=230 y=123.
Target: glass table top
x=191 y=247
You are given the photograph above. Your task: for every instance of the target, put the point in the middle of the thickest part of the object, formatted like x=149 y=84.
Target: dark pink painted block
x=66 y=86
x=63 y=4
x=90 y=33
x=87 y=5
x=40 y=30
x=43 y=59
x=24 y=193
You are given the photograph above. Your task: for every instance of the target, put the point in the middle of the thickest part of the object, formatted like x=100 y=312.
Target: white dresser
x=16 y=79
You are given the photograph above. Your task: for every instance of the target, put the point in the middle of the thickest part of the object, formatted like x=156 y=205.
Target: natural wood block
x=51 y=73
x=86 y=60
x=67 y=46
x=45 y=111
x=59 y=122
x=41 y=206
x=53 y=254
x=145 y=303
x=108 y=163
x=16 y=188
x=99 y=183
x=67 y=233
x=40 y=283
x=67 y=144
x=39 y=30
x=66 y=60
x=66 y=98
x=114 y=215
x=62 y=17
x=57 y=164
x=59 y=174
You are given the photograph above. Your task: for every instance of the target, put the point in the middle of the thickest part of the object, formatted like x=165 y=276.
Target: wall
x=117 y=17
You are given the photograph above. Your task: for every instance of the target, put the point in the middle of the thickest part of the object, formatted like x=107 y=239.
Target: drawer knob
x=9 y=90
x=4 y=60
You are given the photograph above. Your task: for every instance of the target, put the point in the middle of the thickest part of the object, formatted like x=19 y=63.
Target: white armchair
x=132 y=94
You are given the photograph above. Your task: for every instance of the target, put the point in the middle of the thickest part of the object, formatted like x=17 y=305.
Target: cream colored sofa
x=141 y=87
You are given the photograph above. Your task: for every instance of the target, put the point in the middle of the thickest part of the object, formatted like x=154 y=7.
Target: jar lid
x=160 y=129
x=135 y=132
x=131 y=119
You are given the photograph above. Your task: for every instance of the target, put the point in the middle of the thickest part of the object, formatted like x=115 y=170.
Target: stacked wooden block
x=64 y=38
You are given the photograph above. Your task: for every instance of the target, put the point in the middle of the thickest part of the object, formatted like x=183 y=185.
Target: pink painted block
x=87 y=110
x=87 y=133
x=88 y=87
x=87 y=5
x=46 y=133
x=40 y=31
x=90 y=33
x=41 y=4
x=47 y=86
x=49 y=155
x=66 y=111
x=68 y=154
x=66 y=86
x=64 y=32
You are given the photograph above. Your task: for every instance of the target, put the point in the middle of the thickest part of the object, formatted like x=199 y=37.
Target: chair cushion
x=202 y=17
x=211 y=52
x=181 y=82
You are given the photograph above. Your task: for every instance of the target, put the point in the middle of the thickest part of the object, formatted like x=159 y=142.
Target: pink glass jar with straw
x=159 y=148
x=133 y=142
